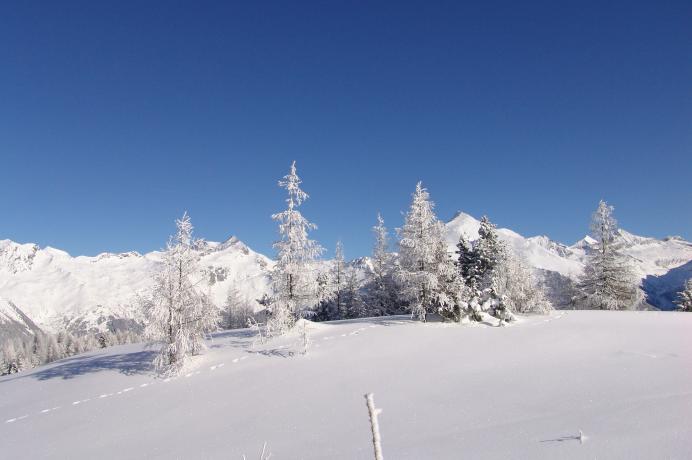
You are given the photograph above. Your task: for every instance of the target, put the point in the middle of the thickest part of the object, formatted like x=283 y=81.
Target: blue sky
x=115 y=117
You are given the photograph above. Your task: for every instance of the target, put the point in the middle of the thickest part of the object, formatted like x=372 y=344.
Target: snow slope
x=447 y=392
x=57 y=290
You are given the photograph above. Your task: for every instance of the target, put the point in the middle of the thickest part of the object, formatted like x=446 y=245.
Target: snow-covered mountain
x=662 y=265
x=82 y=293
x=54 y=290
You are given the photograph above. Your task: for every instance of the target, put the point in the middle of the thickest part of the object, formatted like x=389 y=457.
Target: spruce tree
x=607 y=282
x=684 y=300
x=467 y=260
x=488 y=251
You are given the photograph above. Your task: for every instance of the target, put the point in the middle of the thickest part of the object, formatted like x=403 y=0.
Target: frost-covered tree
x=355 y=306
x=178 y=314
x=382 y=295
x=684 y=300
x=294 y=280
x=338 y=279
x=423 y=259
x=514 y=284
x=607 y=282
x=237 y=309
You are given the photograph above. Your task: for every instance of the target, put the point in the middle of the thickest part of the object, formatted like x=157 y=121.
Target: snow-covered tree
x=684 y=300
x=488 y=250
x=178 y=314
x=338 y=279
x=294 y=280
x=237 y=310
x=514 y=284
x=607 y=282
x=467 y=261
x=382 y=296
x=355 y=306
x=424 y=263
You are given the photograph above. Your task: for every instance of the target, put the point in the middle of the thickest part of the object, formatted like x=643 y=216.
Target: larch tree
x=514 y=283
x=178 y=314
x=382 y=292
x=607 y=282
x=338 y=280
x=294 y=282
x=684 y=299
x=423 y=258
x=354 y=305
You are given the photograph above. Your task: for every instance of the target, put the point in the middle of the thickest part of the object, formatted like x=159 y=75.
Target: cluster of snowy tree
x=483 y=278
x=608 y=282
x=21 y=354
x=422 y=277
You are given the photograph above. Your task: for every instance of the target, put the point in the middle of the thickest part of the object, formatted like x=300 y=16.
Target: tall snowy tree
x=684 y=300
x=338 y=283
x=607 y=282
x=382 y=291
x=178 y=314
x=294 y=280
x=423 y=259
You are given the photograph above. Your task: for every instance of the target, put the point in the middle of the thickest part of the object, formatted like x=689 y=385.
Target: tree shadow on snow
x=125 y=363
x=234 y=338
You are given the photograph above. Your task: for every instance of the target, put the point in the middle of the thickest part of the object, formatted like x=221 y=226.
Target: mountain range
x=48 y=289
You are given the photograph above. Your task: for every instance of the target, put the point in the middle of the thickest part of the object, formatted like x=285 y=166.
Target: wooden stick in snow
x=374 y=425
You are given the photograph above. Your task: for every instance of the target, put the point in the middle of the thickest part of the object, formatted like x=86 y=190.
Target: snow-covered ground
x=447 y=392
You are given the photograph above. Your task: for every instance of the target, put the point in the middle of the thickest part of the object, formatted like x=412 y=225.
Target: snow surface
x=447 y=392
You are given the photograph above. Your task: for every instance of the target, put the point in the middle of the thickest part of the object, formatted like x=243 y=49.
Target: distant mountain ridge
x=50 y=289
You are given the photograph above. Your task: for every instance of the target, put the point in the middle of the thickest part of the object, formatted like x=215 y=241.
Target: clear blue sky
x=117 y=116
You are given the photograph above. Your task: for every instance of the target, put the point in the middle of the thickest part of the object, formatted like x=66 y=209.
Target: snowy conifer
x=338 y=279
x=514 y=284
x=466 y=262
x=355 y=306
x=488 y=250
x=382 y=292
x=294 y=281
x=237 y=309
x=178 y=315
x=423 y=260
x=684 y=300
x=607 y=282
